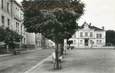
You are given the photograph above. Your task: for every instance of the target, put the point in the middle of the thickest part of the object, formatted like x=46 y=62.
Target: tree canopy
x=36 y=5
x=110 y=37
x=55 y=19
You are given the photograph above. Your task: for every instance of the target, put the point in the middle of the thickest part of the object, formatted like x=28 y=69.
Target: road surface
x=83 y=61
x=23 y=62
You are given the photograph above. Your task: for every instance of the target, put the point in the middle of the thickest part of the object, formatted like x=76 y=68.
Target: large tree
x=110 y=37
x=55 y=19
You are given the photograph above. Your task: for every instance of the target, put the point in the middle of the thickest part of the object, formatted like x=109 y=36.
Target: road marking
x=37 y=65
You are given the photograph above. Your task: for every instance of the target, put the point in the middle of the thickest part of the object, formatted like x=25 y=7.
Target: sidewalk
x=2 y=55
x=25 y=51
x=82 y=61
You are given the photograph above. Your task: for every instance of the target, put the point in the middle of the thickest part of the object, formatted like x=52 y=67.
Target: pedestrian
x=53 y=57
x=54 y=60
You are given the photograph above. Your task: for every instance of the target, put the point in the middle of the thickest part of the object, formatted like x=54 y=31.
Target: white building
x=11 y=16
x=5 y=13
x=89 y=36
x=30 y=39
x=38 y=39
x=17 y=22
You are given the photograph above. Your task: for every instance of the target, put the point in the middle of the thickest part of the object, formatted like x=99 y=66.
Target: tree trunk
x=68 y=44
x=62 y=48
x=57 y=56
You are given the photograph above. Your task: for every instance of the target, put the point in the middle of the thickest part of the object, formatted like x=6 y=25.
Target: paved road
x=83 y=61
x=21 y=63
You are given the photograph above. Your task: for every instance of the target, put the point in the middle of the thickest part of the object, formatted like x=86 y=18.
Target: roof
x=91 y=27
x=17 y=4
x=96 y=28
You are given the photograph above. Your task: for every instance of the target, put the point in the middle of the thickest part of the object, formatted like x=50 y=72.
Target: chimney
x=89 y=24
x=85 y=23
x=103 y=27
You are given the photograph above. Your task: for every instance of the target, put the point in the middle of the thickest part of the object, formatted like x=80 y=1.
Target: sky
x=98 y=12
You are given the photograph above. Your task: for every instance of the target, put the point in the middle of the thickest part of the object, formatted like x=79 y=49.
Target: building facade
x=11 y=16
x=88 y=36
x=38 y=38
x=17 y=22
x=30 y=39
x=5 y=13
x=42 y=42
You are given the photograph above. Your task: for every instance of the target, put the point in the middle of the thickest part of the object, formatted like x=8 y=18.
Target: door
x=86 y=42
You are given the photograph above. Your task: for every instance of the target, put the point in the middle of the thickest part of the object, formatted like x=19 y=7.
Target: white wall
x=30 y=38
x=80 y=42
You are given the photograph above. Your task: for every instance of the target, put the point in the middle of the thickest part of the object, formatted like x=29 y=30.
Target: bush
x=2 y=34
x=10 y=37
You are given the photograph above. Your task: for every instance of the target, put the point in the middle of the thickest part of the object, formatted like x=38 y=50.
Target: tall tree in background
x=110 y=37
x=55 y=19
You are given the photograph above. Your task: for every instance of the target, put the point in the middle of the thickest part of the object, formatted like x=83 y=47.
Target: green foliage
x=68 y=20
x=69 y=42
x=9 y=36
x=12 y=36
x=2 y=34
x=56 y=19
x=110 y=37
x=36 y=5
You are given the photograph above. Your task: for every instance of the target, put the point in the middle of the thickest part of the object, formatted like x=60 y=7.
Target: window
x=91 y=41
x=8 y=7
x=2 y=5
x=81 y=34
x=21 y=29
x=99 y=35
x=2 y=19
x=99 y=41
x=86 y=34
x=8 y=23
x=81 y=41
x=91 y=34
x=17 y=26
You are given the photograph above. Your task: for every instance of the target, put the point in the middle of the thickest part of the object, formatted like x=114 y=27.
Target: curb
x=37 y=65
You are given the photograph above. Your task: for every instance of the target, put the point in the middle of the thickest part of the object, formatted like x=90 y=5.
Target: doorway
x=86 y=42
